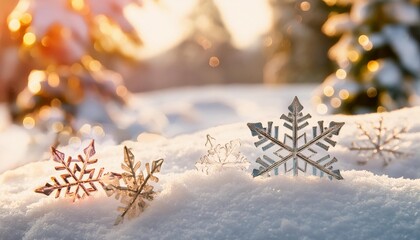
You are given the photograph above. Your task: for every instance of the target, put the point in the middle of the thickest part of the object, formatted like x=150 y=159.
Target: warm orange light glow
x=214 y=62
x=29 y=39
x=95 y=65
x=335 y=102
x=78 y=5
x=53 y=79
x=86 y=59
x=57 y=127
x=368 y=47
x=341 y=73
x=381 y=109
x=86 y=128
x=76 y=68
x=91 y=64
x=353 y=55
x=344 y=94
x=121 y=91
x=34 y=81
x=363 y=40
x=14 y=25
x=305 y=6
x=268 y=41
x=45 y=41
x=328 y=91
x=26 y=18
x=330 y=2
x=44 y=112
x=73 y=82
x=28 y=122
x=56 y=103
x=204 y=42
x=372 y=92
x=373 y=66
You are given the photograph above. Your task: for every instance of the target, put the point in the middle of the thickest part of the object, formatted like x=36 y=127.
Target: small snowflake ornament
x=220 y=157
x=79 y=179
x=132 y=186
x=379 y=141
x=295 y=152
x=135 y=186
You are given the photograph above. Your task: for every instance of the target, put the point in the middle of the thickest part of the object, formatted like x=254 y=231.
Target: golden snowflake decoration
x=134 y=188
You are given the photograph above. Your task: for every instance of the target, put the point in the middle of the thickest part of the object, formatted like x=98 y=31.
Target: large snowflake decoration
x=295 y=148
x=219 y=157
x=78 y=180
x=135 y=188
x=379 y=143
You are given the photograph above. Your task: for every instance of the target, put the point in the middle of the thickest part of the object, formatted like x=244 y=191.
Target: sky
x=169 y=26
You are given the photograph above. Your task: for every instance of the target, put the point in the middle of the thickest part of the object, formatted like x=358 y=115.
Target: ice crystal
x=134 y=188
x=219 y=157
x=79 y=180
x=379 y=143
x=299 y=151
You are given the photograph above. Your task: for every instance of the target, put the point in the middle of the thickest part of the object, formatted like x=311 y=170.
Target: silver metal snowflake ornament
x=380 y=142
x=295 y=152
x=220 y=157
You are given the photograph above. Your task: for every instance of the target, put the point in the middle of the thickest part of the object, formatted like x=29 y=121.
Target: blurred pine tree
x=54 y=50
x=377 y=56
x=296 y=48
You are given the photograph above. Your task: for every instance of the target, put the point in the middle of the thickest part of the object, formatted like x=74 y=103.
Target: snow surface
x=372 y=202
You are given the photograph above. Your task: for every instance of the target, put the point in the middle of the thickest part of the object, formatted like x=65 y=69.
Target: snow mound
x=372 y=202
x=227 y=205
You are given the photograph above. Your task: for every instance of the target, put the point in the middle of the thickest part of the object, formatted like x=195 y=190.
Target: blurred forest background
x=59 y=56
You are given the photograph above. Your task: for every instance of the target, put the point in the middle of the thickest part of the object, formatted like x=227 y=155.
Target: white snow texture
x=372 y=202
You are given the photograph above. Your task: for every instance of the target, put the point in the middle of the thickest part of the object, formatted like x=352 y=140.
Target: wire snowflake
x=379 y=143
x=219 y=157
x=135 y=188
x=300 y=151
x=79 y=180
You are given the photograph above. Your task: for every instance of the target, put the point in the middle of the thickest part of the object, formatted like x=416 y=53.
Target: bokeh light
x=28 y=122
x=373 y=66
x=344 y=94
x=305 y=6
x=214 y=62
x=341 y=73
x=29 y=39
x=328 y=91
x=372 y=92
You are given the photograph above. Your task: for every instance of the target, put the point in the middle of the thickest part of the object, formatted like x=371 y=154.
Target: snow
x=231 y=205
x=372 y=202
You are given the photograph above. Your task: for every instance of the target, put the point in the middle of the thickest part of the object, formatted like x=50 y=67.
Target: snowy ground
x=372 y=202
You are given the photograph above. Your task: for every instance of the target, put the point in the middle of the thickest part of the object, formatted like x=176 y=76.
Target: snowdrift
x=372 y=202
